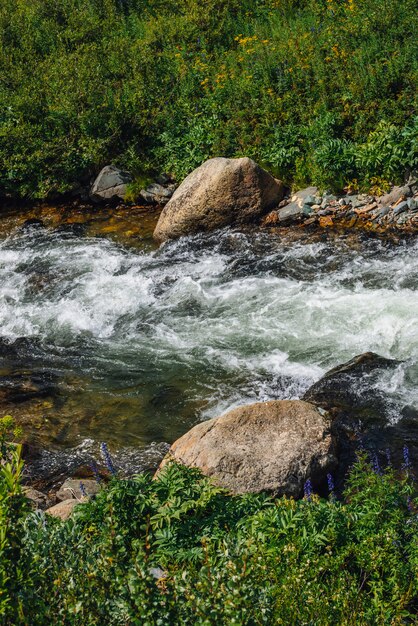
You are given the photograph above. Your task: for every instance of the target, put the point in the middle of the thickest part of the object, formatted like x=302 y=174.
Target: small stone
x=324 y=222
x=395 y=195
x=290 y=213
x=327 y=199
x=402 y=219
x=383 y=211
x=63 y=510
x=163 y=179
x=110 y=184
x=412 y=204
x=309 y=200
x=300 y=196
x=356 y=201
x=71 y=488
x=307 y=210
x=401 y=208
x=38 y=499
x=316 y=207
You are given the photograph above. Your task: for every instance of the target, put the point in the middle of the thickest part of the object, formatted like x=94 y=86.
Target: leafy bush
x=319 y=91
x=179 y=550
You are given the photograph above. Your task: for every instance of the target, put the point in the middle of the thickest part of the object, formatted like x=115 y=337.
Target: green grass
x=321 y=91
x=244 y=560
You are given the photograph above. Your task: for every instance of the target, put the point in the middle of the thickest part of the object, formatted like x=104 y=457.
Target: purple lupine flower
x=307 y=490
x=107 y=458
x=95 y=471
x=331 y=486
x=376 y=466
x=83 y=490
x=409 y=504
x=388 y=458
x=407 y=461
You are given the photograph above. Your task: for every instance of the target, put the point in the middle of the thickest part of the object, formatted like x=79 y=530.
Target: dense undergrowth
x=178 y=550
x=320 y=91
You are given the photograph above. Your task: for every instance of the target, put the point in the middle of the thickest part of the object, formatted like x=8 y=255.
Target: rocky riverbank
x=394 y=212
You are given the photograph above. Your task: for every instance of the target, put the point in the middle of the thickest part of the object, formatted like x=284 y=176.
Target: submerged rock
x=110 y=184
x=340 y=387
x=221 y=192
x=268 y=446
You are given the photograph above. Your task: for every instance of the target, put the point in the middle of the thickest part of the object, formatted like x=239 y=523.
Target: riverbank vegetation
x=319 y=92
x=179 y=550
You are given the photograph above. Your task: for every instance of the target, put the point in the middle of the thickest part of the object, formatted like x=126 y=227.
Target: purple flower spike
x=107 y=458
x=95 y=471
x=307 y=489
x=376 y=466
x=407 y=461
x=83 y=490
x=331 y=486
x=388 y=459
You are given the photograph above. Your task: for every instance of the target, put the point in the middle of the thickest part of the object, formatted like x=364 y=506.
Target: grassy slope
x=320 y=91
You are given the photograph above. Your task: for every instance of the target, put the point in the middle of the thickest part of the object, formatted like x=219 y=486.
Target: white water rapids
x=147 y=343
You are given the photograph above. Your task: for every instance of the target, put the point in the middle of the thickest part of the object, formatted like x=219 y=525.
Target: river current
x=138 y=344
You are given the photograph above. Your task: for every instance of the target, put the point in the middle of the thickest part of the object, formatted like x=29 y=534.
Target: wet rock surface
x=351 y=385
x=361 y=414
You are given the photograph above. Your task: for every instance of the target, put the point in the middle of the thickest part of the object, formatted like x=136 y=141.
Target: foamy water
x=158 y=341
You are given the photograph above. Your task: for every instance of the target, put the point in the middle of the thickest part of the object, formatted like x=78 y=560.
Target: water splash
x=148 y=343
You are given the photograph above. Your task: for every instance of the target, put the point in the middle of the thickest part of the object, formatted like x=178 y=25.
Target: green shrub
x=320 y=91
x=179 y=550
x=13 y=508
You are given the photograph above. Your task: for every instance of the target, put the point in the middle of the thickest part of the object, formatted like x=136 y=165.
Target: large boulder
x=220 y=192
x=269 y=446
x=110 y=184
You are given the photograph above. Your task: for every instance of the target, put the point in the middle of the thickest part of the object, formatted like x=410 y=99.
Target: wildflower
x=331 y=486
x=407 y=462
x=409 y=504
x=107 y=458
x=307 y=489
x=83 y=490
x=95 y=471
x=388 y=459
x=376 y=466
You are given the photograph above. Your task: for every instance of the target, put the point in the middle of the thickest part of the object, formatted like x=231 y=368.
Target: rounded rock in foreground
x=221 y=192
x=63 y=510
x=269 y=446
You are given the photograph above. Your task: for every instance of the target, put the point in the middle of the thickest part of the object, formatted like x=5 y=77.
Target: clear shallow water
x=137 y=346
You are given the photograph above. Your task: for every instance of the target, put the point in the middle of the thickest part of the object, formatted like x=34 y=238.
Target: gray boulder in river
x=268 y=446
x=110 y=184
x=221 y=192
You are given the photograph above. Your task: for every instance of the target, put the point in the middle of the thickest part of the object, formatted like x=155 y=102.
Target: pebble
x=400 y=208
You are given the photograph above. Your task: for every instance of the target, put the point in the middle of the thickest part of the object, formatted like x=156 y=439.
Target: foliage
x=13 y=508
x=179 y=550
x=321 y=91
